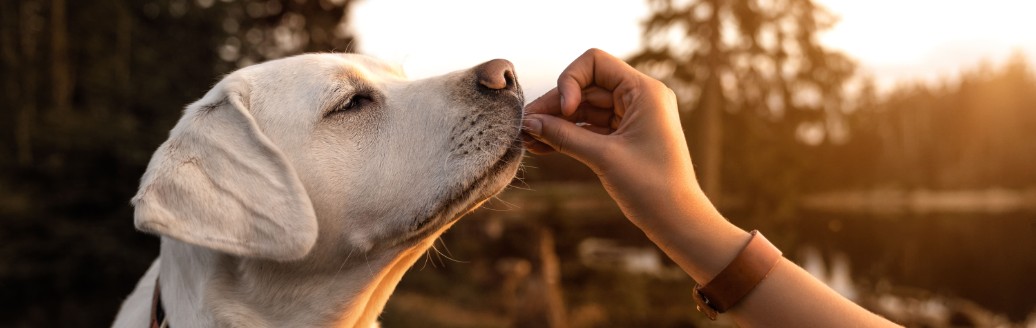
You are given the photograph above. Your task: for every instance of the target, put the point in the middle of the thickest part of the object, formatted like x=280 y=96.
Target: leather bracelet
x=751 y=265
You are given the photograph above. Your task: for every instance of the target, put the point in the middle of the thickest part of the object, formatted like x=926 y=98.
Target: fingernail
x=532 y=126
x=562 y=102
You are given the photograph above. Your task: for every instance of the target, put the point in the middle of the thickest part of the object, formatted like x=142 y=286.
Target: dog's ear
x=219 y=182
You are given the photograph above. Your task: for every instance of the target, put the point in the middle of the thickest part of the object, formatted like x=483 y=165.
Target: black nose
x=496 y=74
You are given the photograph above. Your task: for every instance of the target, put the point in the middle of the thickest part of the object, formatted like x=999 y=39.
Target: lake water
x=986 y=258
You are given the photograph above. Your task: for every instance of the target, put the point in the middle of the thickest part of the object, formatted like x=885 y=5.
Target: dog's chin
x=487 y=181
x=493 y=180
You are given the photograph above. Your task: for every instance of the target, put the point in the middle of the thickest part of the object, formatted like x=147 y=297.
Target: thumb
x=564 y=136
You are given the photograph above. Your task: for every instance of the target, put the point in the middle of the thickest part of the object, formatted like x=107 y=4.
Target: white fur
x=273 y=213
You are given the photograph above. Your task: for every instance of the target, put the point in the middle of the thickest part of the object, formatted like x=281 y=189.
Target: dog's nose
x=496 y=74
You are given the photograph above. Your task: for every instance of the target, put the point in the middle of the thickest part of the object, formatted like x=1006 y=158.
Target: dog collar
x=158 y=319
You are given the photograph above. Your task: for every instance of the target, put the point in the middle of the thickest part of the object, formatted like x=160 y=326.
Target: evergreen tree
x=89 y=91
x=754 y=83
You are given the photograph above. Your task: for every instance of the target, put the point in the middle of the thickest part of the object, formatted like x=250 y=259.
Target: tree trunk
x=60 y=71
x=709 y=138
x=543 y=305
x=709 y=127
x=30 y=16
x=124 y=53
x=11 y=73
x=550 y=269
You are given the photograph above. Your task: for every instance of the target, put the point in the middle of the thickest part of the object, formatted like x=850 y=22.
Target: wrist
x=682 y=222
x=698 y=238
x=725 y=290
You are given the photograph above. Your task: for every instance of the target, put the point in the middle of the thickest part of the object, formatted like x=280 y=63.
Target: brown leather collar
x=158 y=319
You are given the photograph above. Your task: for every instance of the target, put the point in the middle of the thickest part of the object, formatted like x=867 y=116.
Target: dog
x=298 y=191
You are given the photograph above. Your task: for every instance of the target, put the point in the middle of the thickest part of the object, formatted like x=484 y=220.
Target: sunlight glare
x=541 y=37
x=929 y=39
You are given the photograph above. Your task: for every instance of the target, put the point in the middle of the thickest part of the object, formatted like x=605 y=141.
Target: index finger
x=549 y=102
x=593 y=68
x=545 y=104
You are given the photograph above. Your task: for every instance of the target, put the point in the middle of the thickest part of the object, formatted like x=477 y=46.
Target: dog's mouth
x=485 y=184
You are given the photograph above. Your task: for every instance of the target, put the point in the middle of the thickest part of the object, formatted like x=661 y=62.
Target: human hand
x=625 y=126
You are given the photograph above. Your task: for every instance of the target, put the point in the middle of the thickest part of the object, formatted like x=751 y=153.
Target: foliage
x=89 y=89
x=971 y=133
x=751 y=78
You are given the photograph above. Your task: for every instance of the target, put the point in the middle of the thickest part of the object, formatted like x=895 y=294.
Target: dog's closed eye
x=357 y=101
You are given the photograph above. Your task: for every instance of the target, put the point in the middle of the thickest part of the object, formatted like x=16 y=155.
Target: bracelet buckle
x=702 y=303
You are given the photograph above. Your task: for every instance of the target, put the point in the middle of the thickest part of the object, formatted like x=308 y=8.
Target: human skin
x=625 y=126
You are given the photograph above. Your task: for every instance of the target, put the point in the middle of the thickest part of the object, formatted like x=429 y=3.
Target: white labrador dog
x=298 y=191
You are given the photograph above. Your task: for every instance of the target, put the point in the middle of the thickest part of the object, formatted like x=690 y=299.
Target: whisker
x=447 y=248
x=521 y=180
x=345 y=261
x=446 y=256
x=369 y=269
x=427 y=255
x=438 y=255
x=509 y=206
x=488 y=208
x=526 y=188
x=526 y=165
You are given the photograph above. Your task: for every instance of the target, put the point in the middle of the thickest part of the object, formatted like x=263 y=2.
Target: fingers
x=598 y=97
x=594 y=68
x=538 y=148
x=588 y=92
x=545 y=104
x=563 y=136
x=598 y=129
x=549 y=102
x=596 y=109
x=598 y=126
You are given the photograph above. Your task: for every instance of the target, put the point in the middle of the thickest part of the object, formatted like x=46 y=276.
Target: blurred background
x=886 y=146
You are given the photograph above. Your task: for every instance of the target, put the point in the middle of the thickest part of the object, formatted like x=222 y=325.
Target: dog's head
x=339 y=146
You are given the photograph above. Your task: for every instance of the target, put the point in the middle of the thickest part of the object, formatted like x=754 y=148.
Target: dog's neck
x=236 y=292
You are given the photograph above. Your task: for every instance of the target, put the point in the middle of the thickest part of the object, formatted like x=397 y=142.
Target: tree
x=967 y=132
x=257 y=31
x=89 y=90
x=751 y=64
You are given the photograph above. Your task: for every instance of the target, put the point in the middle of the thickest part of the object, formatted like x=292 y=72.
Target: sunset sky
x=893 y=40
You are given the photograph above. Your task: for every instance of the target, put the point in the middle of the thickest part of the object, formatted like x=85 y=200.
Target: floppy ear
x=219 y=182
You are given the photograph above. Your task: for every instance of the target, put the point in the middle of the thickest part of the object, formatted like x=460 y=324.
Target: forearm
x=626 y=127
x=702 y=242
x=699 y=240
x=791 y=297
